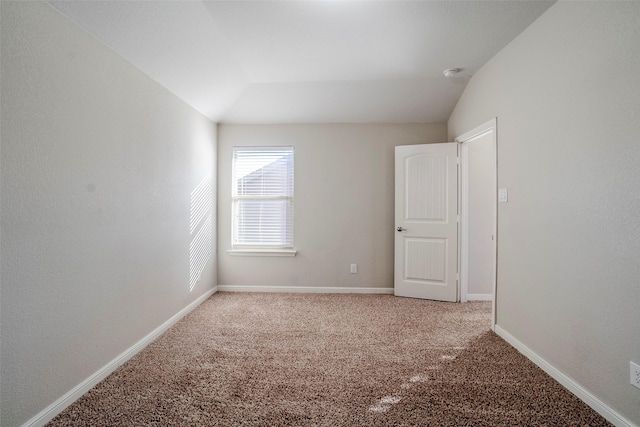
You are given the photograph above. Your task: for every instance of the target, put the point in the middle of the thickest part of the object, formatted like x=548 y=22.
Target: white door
x=426 y=213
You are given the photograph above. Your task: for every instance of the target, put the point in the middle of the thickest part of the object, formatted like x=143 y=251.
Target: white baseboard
x=305 y=289
x=596 y=404
x=74 y=394
x=479 y=297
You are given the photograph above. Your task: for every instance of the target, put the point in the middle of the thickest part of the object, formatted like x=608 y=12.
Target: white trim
x=463 y=220
x=305 y=289
x=74 y=394
x=596 y=404
x=477 y=132
x=479 y=297
x=461 y=276
x=262 y=252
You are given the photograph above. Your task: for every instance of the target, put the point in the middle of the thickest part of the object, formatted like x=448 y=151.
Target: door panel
x=426 y=199
x=426 y=245
x=426 y=260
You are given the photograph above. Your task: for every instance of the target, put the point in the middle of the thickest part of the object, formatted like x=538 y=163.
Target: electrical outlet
x=634 y=376
x=354 y=268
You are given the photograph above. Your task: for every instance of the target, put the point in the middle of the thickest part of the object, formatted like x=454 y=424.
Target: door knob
x=401 y=229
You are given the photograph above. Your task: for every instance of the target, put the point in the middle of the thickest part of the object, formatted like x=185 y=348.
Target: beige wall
x=344 y=177
x=98 y=163
x=567 y=96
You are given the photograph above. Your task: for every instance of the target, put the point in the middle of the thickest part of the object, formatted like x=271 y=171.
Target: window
x=262 y=201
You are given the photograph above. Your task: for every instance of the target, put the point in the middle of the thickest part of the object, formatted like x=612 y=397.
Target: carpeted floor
x=260 y=359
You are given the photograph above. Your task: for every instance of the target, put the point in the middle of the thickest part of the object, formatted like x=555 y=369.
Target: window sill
x=262 y=252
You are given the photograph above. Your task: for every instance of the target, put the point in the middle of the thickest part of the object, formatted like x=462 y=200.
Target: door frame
x=484 y=129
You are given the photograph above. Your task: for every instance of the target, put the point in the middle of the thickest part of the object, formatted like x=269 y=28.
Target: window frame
x=254 y=249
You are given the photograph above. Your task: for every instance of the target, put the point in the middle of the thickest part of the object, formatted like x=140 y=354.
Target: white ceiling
x=308 y=61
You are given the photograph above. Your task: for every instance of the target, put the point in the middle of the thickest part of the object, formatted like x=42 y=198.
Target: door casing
x=488 y=128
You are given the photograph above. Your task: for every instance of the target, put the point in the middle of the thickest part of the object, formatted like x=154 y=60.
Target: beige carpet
x=329 y=360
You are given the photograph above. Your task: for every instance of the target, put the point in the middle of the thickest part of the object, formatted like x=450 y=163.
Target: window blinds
x=263 y=197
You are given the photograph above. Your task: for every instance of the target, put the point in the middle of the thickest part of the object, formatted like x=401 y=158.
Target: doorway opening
x=446 y=219
x=478 y=214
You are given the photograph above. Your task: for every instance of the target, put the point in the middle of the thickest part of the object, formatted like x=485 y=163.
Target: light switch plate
x=503 y=195
x=634 y=374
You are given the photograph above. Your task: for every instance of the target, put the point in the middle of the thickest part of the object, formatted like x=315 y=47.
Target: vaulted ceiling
x=308 y=61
